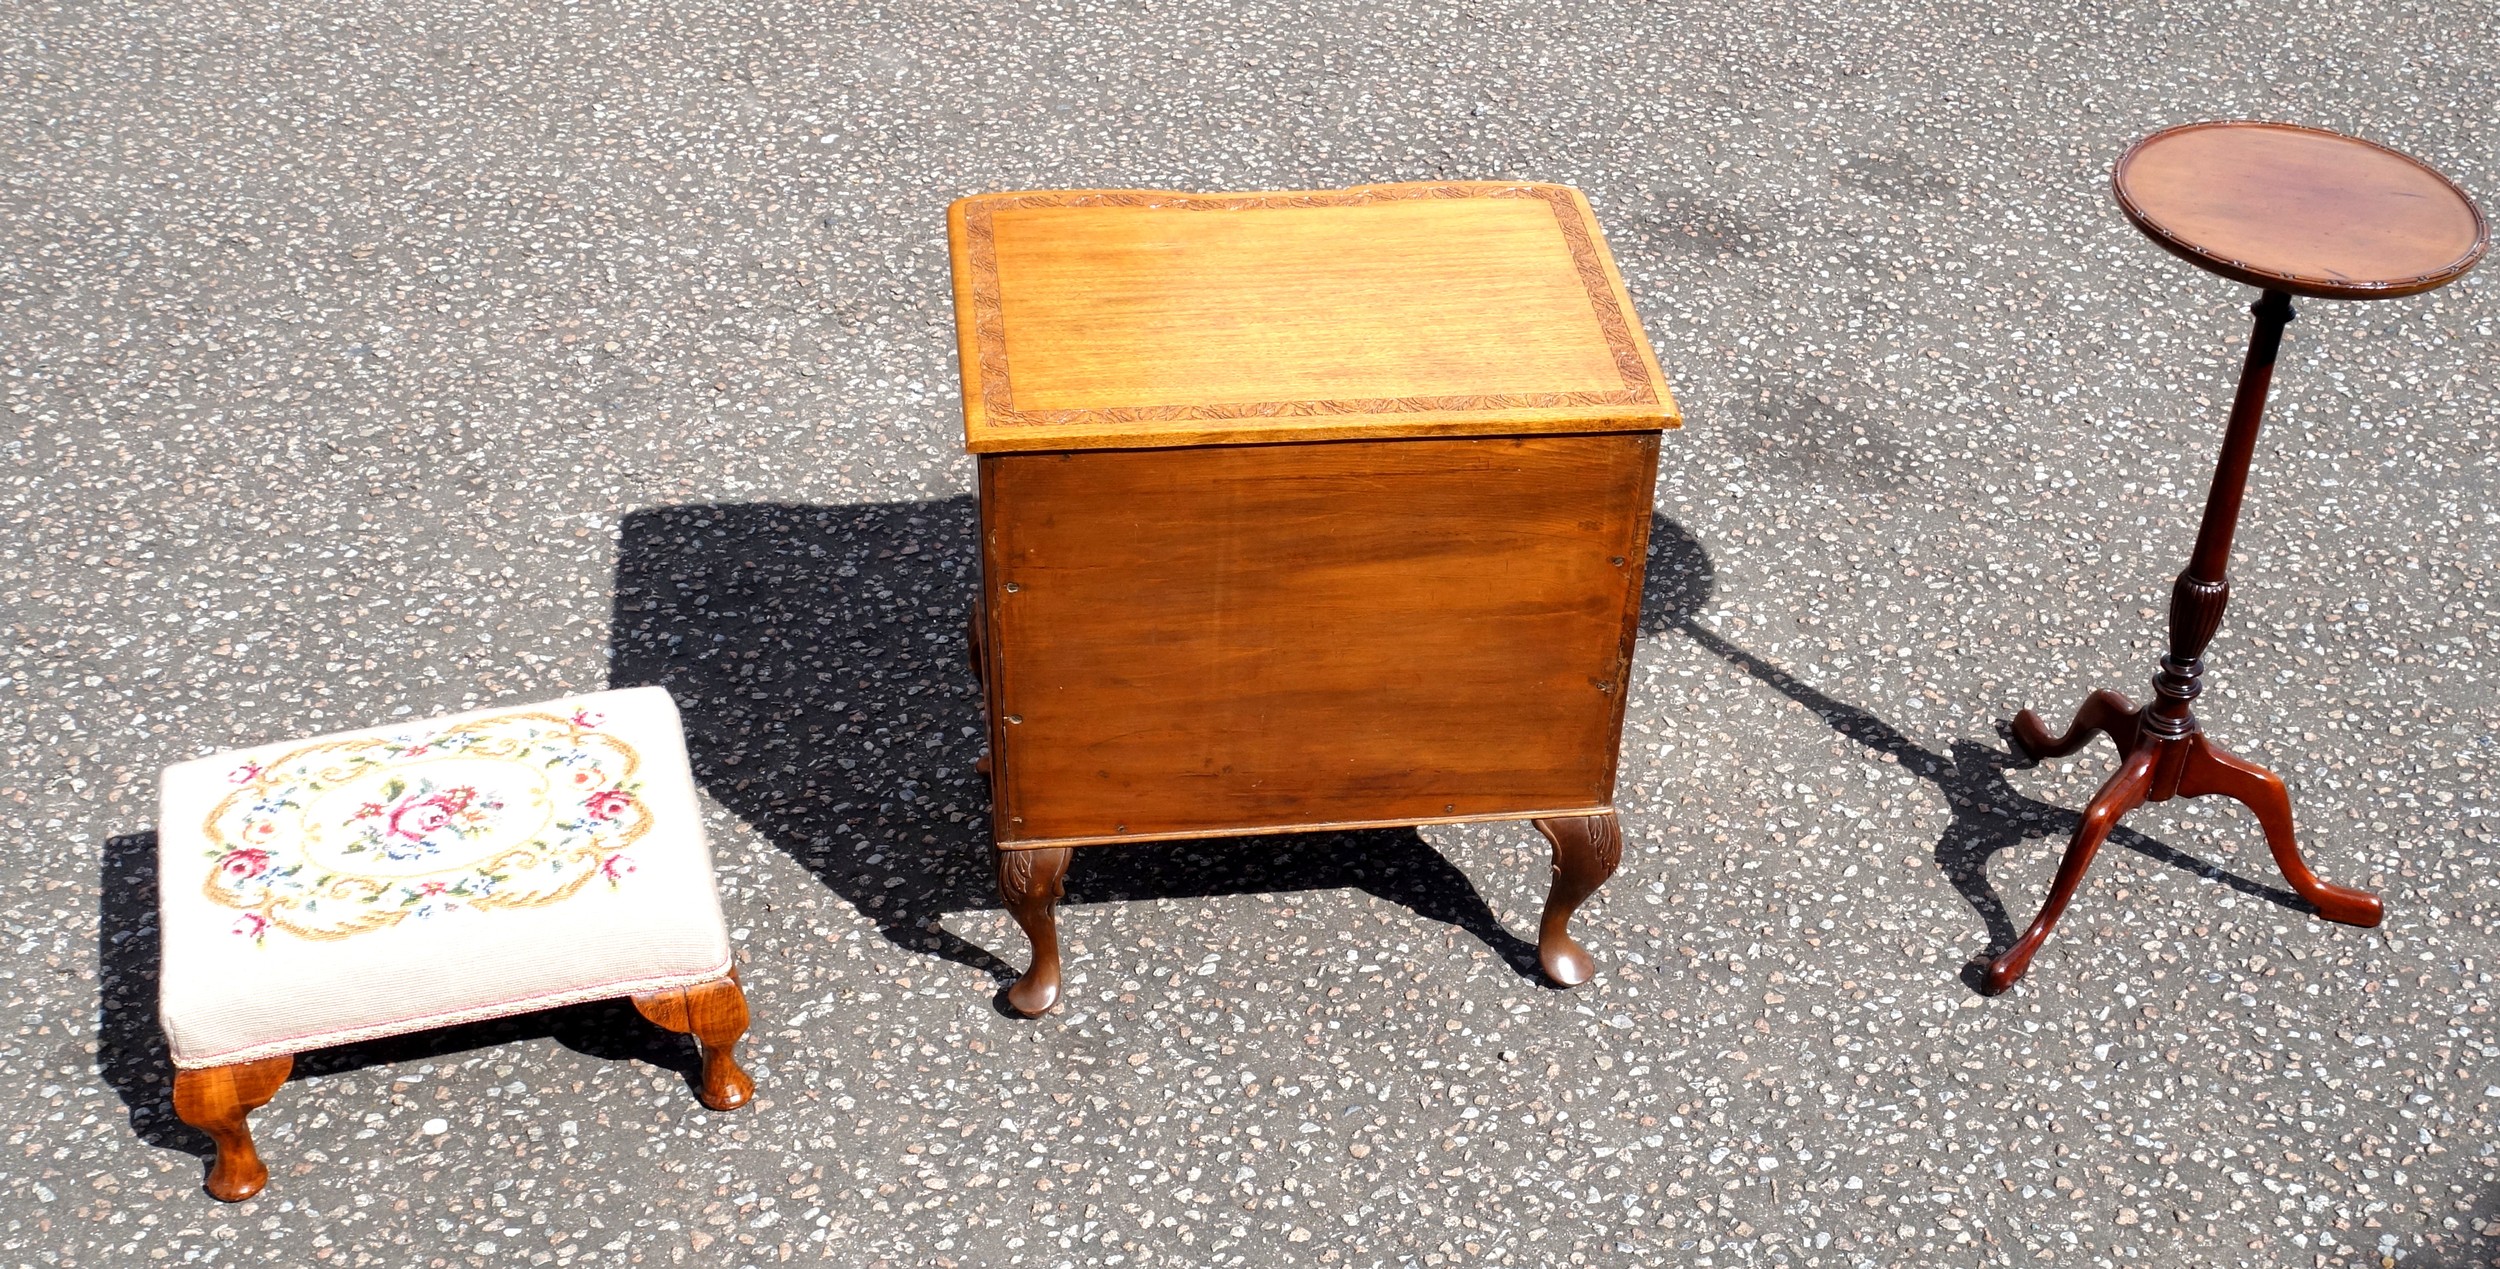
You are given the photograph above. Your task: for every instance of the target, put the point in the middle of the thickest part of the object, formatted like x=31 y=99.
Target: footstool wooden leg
x=1029 y=881
x=216 y=1100
x=1586 y=850
x=715 y=1014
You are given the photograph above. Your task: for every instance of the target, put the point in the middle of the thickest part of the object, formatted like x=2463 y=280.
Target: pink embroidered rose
x=615 y=867
x=429 y=813
x=251 y=925
x=243 y=865
x=244 y=774
x=587 y=718
x=607 y=804
x=432 y=888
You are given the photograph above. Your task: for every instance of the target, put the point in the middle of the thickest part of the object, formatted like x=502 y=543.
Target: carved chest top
x=1093 y=319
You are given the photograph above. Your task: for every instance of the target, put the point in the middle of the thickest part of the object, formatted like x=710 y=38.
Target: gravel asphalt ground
x=373 y=361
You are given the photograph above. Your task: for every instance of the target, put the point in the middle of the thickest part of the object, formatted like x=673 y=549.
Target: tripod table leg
x=2104 y=712
x=2123 y=792
x=2213 y=769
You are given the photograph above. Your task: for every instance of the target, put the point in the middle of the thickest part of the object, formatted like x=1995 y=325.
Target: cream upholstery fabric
x=413 y=876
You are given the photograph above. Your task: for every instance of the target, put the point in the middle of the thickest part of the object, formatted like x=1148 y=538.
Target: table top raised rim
x=2296 y=283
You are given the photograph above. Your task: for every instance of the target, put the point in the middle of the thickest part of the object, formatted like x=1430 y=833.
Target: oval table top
x=2298 y=209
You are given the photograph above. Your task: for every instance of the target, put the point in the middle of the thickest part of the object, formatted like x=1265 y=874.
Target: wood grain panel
x=1135 y=307
x=1134 y=318
x=1250 y=638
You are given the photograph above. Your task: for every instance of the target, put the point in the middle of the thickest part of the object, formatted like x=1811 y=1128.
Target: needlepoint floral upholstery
x=376 y=882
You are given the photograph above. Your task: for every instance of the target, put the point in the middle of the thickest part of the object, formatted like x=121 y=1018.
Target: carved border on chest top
x=990 y=327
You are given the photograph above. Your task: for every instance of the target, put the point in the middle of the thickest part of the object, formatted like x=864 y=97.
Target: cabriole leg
x=1587 y=848
x=2213 y=769
x=1030 y=882
x=2123 y=792
x=217 y=1100
x=2102 y=713
x=715 y=1014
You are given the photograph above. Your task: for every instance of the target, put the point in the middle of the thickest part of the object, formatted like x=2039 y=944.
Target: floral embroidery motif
x=423 y=822
x=510 y=811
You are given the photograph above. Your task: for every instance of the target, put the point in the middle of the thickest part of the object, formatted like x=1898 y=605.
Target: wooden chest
x=1300 y=511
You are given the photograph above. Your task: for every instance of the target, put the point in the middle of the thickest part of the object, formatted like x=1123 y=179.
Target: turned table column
x=2292 y=211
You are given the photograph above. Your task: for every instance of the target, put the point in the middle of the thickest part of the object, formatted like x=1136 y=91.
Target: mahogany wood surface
x=2155 y=769
x=1245 y=639
x=2163 y=752
x=1144 y=318
x=2302 y=210
x=715 y=1014
x=2294 y=211
x=218 y=1100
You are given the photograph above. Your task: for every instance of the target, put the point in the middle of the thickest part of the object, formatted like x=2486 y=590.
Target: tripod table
x=2291 y=211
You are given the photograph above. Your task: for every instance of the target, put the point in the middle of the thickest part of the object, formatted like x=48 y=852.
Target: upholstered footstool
x=379 y=882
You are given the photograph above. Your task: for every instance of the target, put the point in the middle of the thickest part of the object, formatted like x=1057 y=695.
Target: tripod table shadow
x=1988 y=814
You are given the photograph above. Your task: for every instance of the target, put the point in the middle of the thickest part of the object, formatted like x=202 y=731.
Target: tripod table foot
x=2213 y=769
x=2104 y=713
x=2121 y=793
